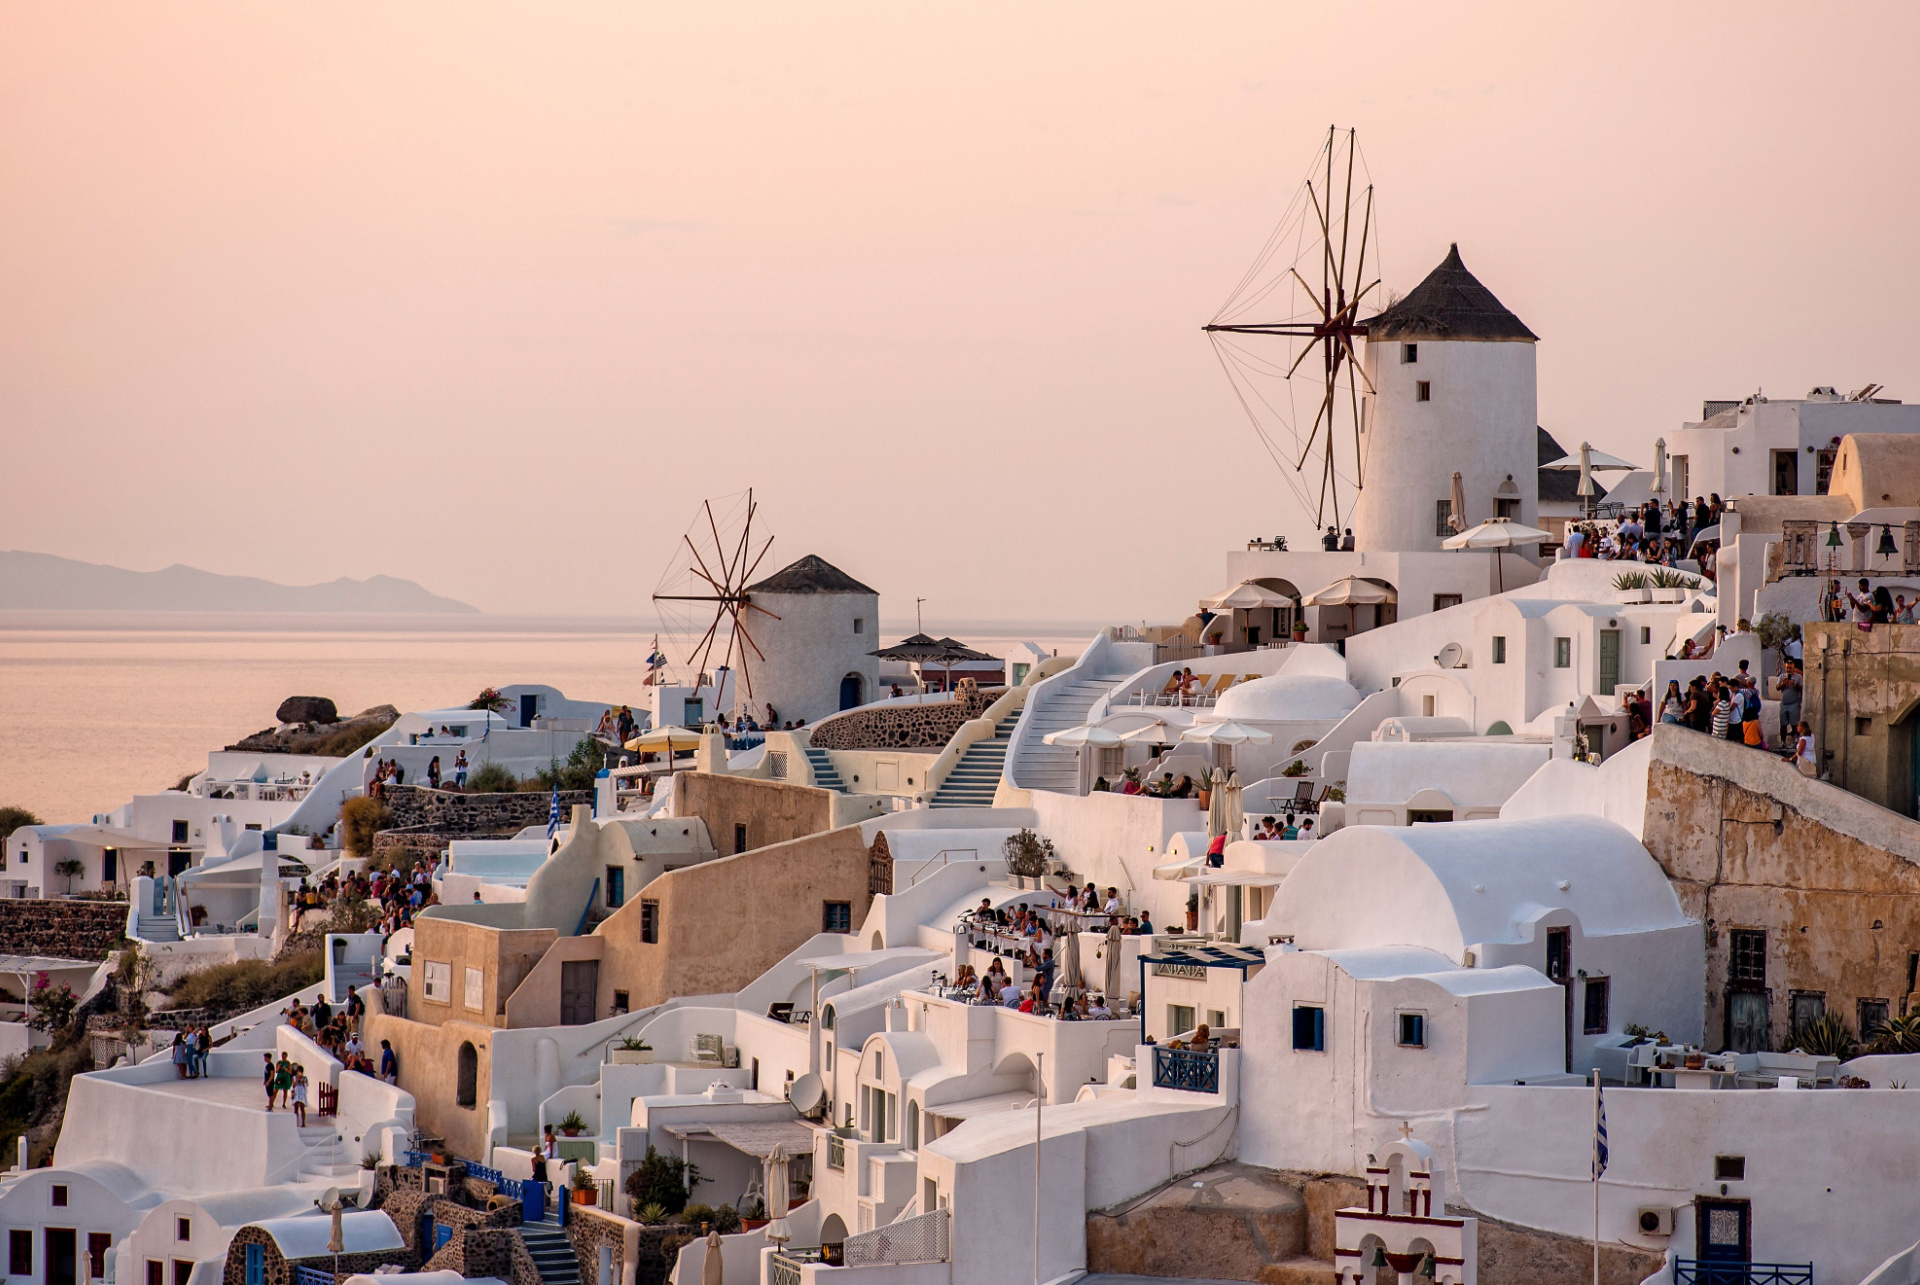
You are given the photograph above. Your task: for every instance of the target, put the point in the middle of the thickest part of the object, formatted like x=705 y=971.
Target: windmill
x=1308 y=287
x=708 y=582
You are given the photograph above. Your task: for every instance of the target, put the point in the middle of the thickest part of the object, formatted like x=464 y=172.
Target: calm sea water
x=98 y=707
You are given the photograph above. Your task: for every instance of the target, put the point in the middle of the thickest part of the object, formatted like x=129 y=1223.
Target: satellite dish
x=807 y=1093
x=1452 y=656
x=330 y=1197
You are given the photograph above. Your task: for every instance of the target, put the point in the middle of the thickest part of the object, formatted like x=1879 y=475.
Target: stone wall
x=460 y=814
x=1861 y=695
x=488 y=1251
x=880 y=866
x=279 y=1271
x=904 y=727
x=1832 y=880
x=79 y=929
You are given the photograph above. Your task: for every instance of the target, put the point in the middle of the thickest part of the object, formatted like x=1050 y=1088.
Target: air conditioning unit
x=1656 y=1220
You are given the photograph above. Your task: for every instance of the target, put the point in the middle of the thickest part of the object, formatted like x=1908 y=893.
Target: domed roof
x=1286 y=698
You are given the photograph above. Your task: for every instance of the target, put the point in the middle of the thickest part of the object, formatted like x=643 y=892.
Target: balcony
x=1701 y=1271
x=1195 y=1070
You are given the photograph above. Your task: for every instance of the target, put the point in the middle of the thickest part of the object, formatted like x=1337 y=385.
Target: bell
x=1887 y=547
x=1833 y=535
x=1379 y=1256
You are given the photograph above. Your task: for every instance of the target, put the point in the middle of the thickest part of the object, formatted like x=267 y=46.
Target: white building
x=813 y=626
x=1759 y=446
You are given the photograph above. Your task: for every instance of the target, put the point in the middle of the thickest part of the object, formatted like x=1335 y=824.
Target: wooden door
x=579 y=991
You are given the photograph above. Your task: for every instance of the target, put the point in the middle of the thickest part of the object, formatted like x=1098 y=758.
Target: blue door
x=850 y=691
x=256 y=1264
x=442 y=1233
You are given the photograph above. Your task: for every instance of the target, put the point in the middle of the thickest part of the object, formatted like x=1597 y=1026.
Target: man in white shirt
x=1010 y=995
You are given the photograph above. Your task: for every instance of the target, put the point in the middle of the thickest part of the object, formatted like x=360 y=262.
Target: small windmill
x=1310 y=283
x=721 y=561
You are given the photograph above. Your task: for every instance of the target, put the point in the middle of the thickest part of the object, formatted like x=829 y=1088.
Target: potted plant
x=585 y=1190
x=1193 y=912
x=572 y=1124
x=630 y=1050
x=1695 y=1060
x=1632 y=586
x=754 y=1216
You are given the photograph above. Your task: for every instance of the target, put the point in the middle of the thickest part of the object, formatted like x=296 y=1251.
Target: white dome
x=1286 y=698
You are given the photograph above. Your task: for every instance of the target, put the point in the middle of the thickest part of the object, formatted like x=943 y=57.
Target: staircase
x=158 y=928
x=551 y=1248
x=974 y=779
x=1054 y=708
x=326 y=1157
x=825 y=775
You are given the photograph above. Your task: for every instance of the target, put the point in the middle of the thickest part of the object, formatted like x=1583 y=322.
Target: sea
x=96 y=707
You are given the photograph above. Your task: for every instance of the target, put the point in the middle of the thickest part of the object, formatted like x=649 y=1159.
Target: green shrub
x=360 y=820
x=1898 y=1035
x=725 y=1219
x=578 y=772
x=12 y=818
x=246 y=984
x=1825 y=1036
x=663 y=1180
x=491 y=778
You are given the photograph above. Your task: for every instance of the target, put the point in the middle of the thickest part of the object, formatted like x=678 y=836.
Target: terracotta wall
x=724 y=922
x=429 y=1069
x=772 y=811
x=504 y=956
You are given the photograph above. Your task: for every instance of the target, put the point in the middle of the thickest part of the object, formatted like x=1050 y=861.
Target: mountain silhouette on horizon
x=45 y=582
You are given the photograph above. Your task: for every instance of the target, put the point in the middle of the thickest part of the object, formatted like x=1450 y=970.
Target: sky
x=491 y=296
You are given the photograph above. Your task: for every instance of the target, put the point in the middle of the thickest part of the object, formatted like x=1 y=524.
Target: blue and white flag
x=553 y=814
x=1599 y=1134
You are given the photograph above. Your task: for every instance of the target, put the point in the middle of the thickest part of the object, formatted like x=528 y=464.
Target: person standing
x=356 y=1008
x=433 y=773
x=460 y=770
x=283 y=1078
x=181 y=1053
x=389 y=1064
x=300 y=1096
x=267 y=1078
x=1790 y=696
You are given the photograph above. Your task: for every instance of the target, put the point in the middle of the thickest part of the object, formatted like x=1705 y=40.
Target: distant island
x=41 y=581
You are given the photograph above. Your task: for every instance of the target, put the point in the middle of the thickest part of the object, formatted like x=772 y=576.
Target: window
x=1873 y=1016
x=1499 y=649
x=836 y=916
x=1563 y=653
x=1441 y=601
x=466 y=1091
x=438 y=985
x=20 y=1252
x=98 y=1243
x=1747 y=955
x=740 y=836
x=1422 y=391
x=1804 y=1007
x=476 y=990
x=1646 y=634
x=1786 y=472
x=179 y=831
x=183 y=1229
x=1729 y=1168
x=616 y=887
x=59 y=1196
x=1310 y=1028
x=1409 y=354
x=1443 y=518
x=1822 y=469
x=182 y=1271
x=620 y=1005
x=859 y=625
x=1863 y=727
x=777 y=764
x=1113 y=760
x=1413 y=1030
x=1677 y=465
x=1427 y=705
x=650 y=921
x=1559 y=954
x=1180 y=1019
x=1598 y=993
x=1506 y=507
x=157 y=1272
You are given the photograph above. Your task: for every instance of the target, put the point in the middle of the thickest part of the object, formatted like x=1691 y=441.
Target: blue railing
x=1195 y=1070
x=311 y=1276
x=1703 y=1271
x=414 y=1159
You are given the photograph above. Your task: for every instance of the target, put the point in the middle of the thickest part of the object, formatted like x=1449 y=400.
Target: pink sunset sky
x=490 y=296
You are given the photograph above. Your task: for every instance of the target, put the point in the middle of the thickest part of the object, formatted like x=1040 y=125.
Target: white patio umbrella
x=1351 y=591
x=1659 y=487
x=1158 y=732
x=665 y=738
x=1496 y=534
x=1235 y=813
x=777 y=1230
x=1084 y=735
x=1227 y=733
x=1246 y=596
x=1593 y=461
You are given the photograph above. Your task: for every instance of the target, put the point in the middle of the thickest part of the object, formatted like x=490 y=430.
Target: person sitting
x=1145 y=927
x=1098 y=1010
x=1183 y=788
x=1100 y=785
x=1010 y=995
x=1202 y=1037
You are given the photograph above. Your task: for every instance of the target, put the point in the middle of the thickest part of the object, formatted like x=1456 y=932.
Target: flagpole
x=1597 y=1127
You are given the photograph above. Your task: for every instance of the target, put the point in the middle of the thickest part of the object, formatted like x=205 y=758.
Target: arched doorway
x=833 y=1230
x=852 y=691
x=467 y=1079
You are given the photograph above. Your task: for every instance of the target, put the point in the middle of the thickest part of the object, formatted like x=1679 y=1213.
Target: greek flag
x=1599 y=1134
x=553 y=814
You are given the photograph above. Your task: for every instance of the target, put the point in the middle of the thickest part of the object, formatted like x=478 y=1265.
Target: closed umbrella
x=1659 y=466
x=1111 y=988
x=1071 y=982
x=777 y=1230
x=1459 y=518
x=1235 y=812
x=1227 y=733
x=713 y=1271
x=1217 y=803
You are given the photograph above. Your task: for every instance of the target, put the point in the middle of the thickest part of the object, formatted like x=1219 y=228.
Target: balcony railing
x=1195 y=1070
x=911 y=1240
x=311 y=1276
x=836 y=1151
x=1701 y=1271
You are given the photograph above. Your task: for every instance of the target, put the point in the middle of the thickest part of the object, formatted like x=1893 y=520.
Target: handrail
x=942 y=856
x=971 y=733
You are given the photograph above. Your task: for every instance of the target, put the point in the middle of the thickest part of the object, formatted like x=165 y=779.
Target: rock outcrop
x=307 y=709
